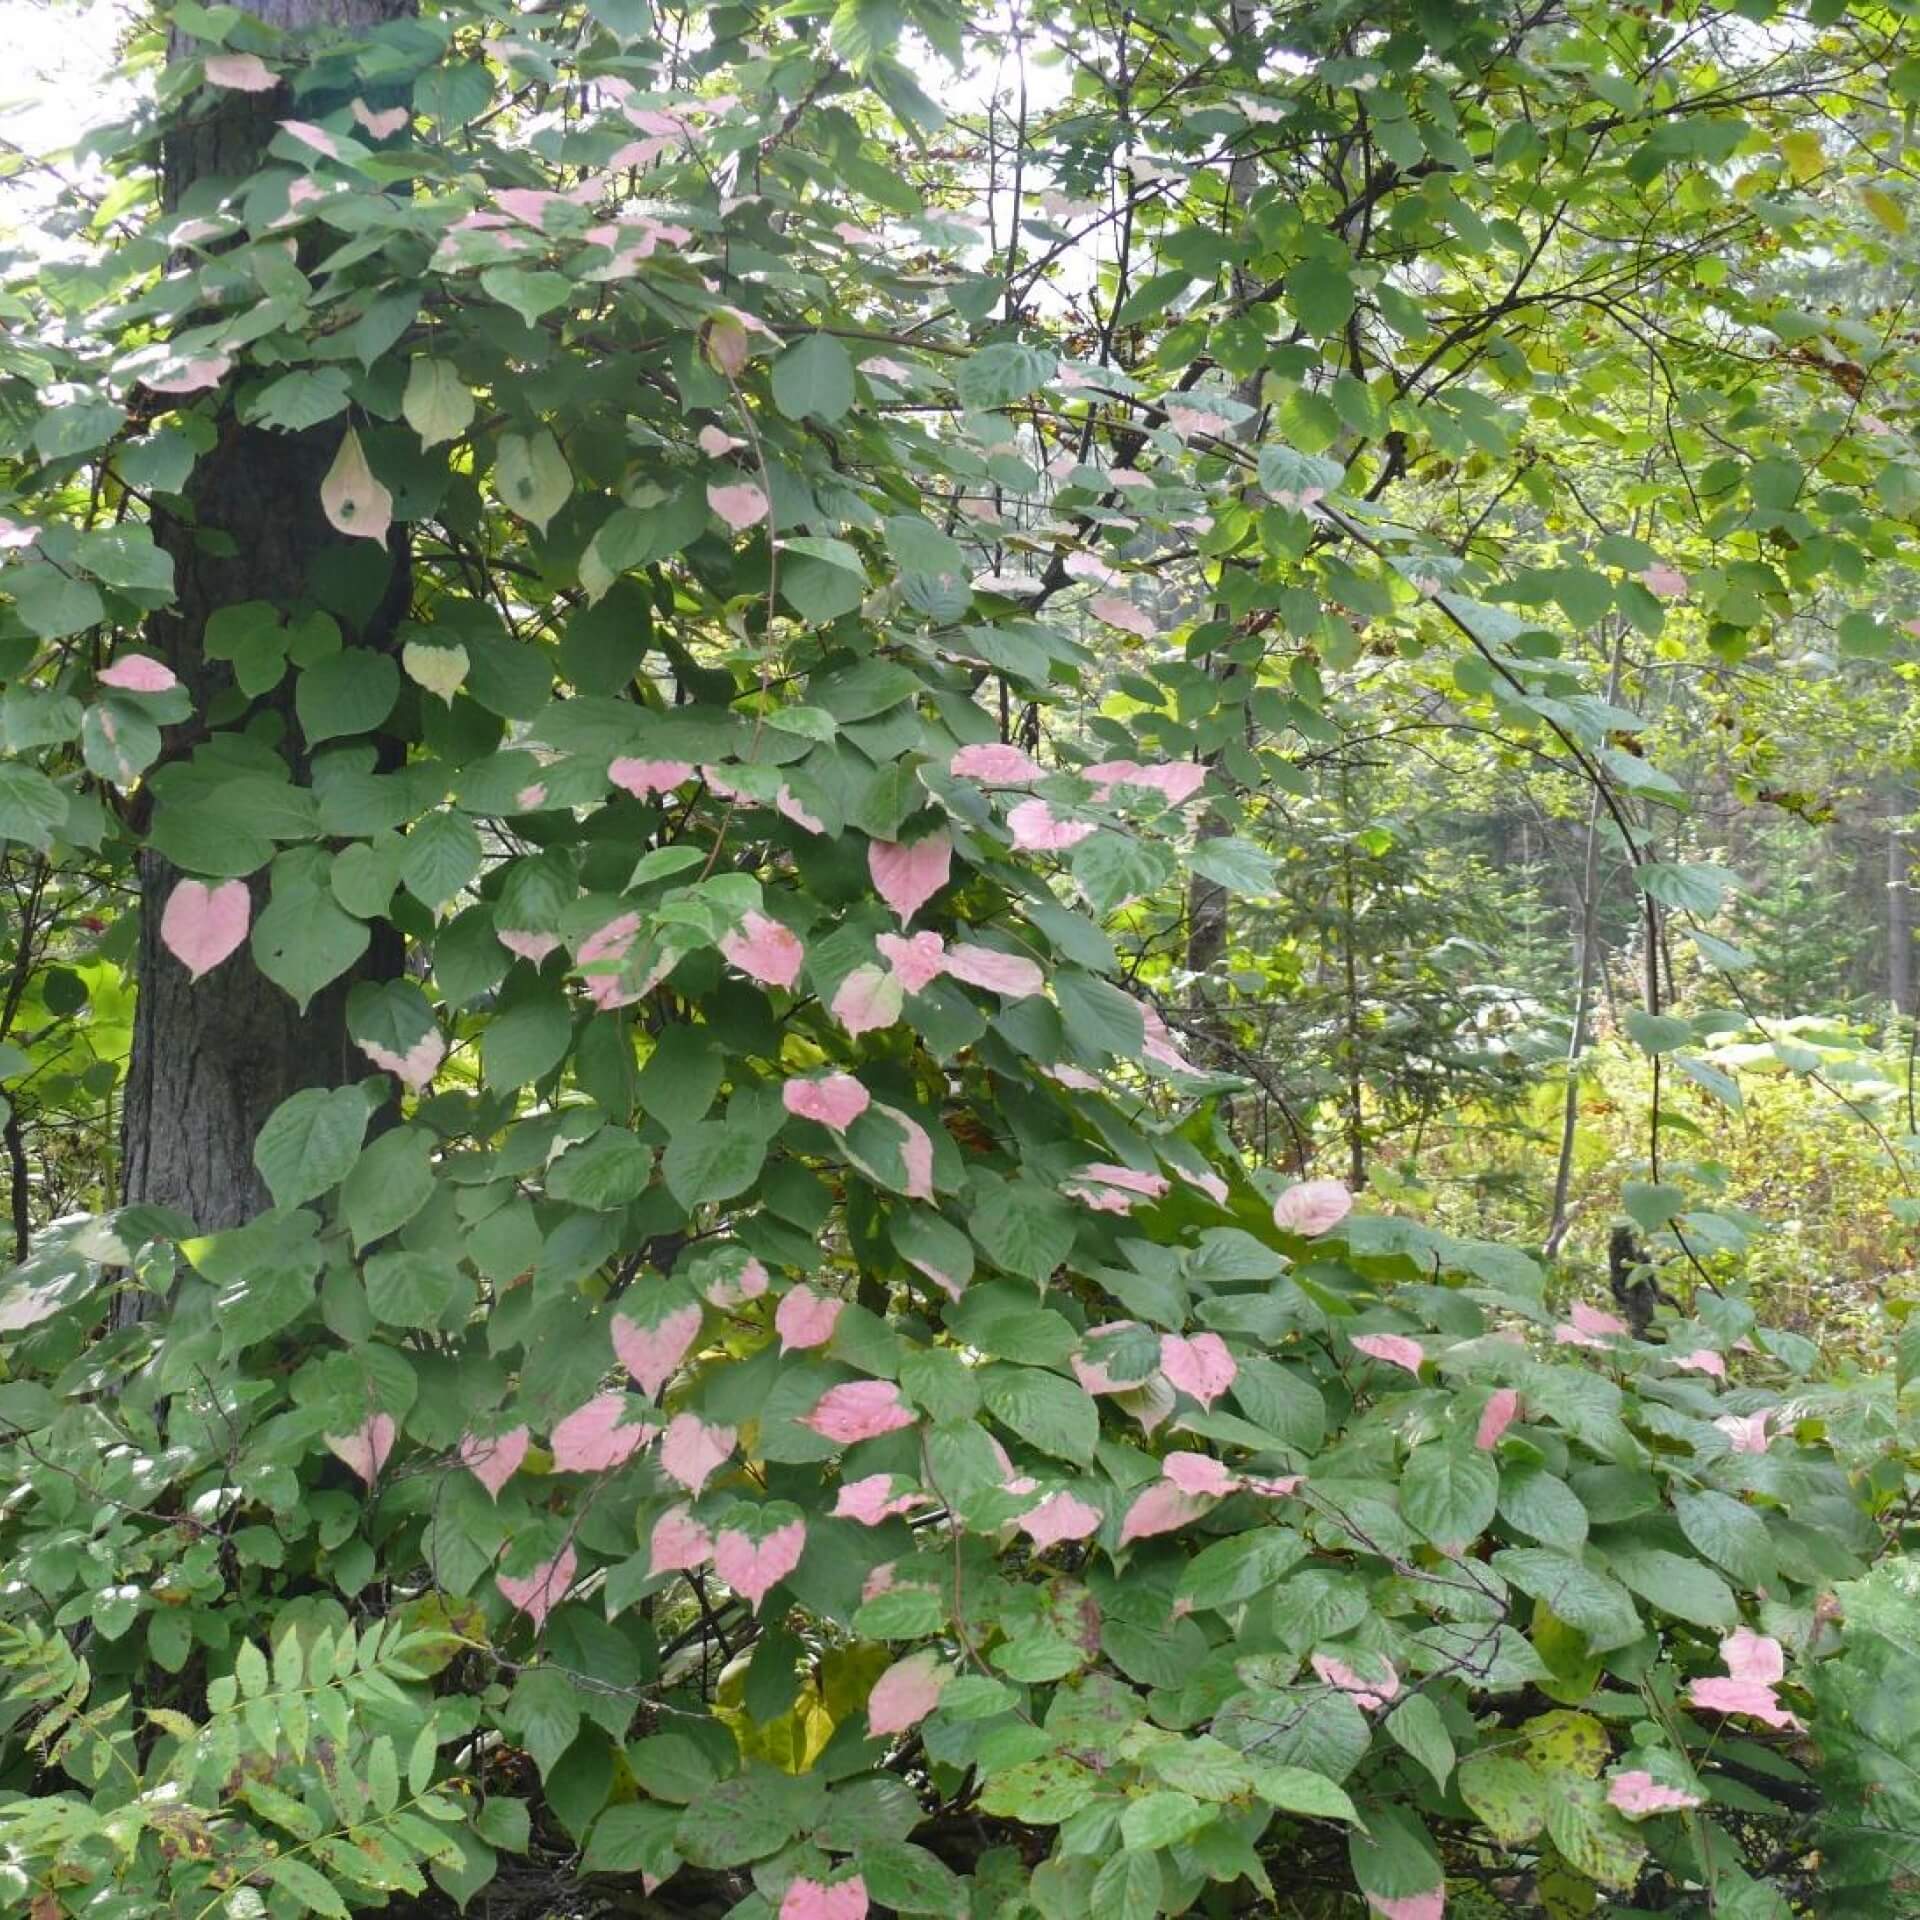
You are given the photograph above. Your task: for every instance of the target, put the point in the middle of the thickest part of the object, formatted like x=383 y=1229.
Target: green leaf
x=532 y=477
x=1729 y=1532
x=712 y=1160
x=1320 y=292
x=52 y=605
x=411 y=1289
x=32 y=808
x=1656 y=1032
x=1449 y=1492
x=1394 y=1859
x=814 y=379
x=1693 y=889
x=443 y=855
x=437 y=403
x=1675 y=1584
x=389 y=1183
x=309 y=1888
x=1507 y=1795
x=1003 y=372
x=1021 y=1226
x=302 y=941
x=909 y=1879
x=1049 y=1412
x=1602 y=1609
x=351 y=691
x=1234 y=864
x=1228 y=1572
x=1302 y=1791
x=523 y=1043
x=736 y=1821
x=310 y=1142
x=1415 y=1724
x=610 y=1170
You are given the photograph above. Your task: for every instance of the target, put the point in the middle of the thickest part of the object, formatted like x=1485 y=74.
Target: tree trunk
x=1899 y=906
x=212 y=1059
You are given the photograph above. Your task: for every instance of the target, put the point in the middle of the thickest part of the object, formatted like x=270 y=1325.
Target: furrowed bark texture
x=212 y=1059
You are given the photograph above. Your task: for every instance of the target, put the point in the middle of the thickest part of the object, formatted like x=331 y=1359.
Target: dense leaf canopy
x=800 y=581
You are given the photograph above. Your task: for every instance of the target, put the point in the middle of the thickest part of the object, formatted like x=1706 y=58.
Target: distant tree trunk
x=1586 y=962
x=1899 y=904
x=1207 y=899
x=211 y=1060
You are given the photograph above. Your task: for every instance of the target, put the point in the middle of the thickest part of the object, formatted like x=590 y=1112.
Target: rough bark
x=212 y=1059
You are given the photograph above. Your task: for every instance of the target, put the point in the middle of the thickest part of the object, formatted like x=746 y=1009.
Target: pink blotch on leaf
x=1430 y=1905
x=1202 y=1366
x=1100 y=1199
x=1199 y=1474
x=753 y=1568
x=191 y=376
x=493 y=1459
x=354 y=502
x=835 y=1100
x=876 y=1497
x=908 y=874
x=1313 y=1207
x=1702 y=1360
x=765 y=951
x=1175 y=781
x=905 y=1694
x=1588 y=1319
x=916 y=960
x=678 y=1543
x=1278 y=1487
x=1060 y=1516
x=1122 y=613
x=202 y=925
x=240 y=72
x=859 y=1410
x=868 y=998
x=1089 y=566
x=806 y=1319
x=1006 y=973
x=389 y=120
x=1496 y=1417
x=715 y=442
x=816 y=1900
x=1159 y=1046
x=365 y=1450
x=1665 y=582
x=786 y=804
x=596 y=1437
x=315 y=137
x=643 y=777
x=916 y=1153
x=1208 y=1182
x=652 y=1354
x=1037 y=829
x=1636 y=1793
x=537 y=1594
x=1394 y=1348
x=1747 y=1433
x=998 y=766
x=1161 y=1509
x=1368 y=1695
x=414 y=1068
x=1755 y=1664
x=692 y=1452
x=528 y=946
x=740 y=506
x=728 y=1289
